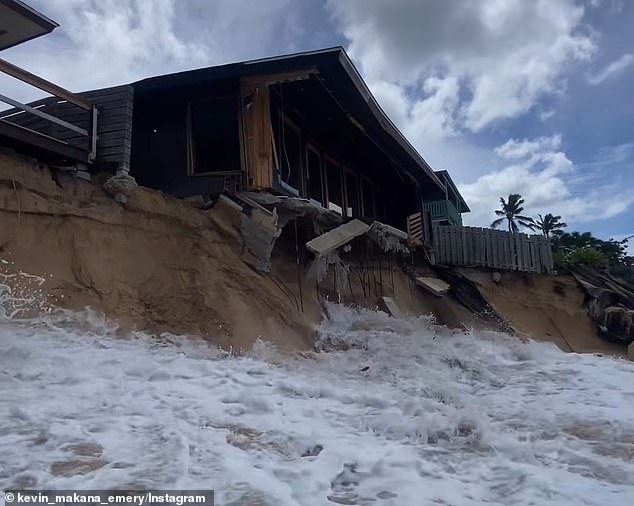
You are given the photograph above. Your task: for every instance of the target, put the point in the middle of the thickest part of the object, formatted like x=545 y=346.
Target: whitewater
x=391 y=412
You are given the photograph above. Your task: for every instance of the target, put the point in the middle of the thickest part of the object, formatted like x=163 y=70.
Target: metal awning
x=19 y=23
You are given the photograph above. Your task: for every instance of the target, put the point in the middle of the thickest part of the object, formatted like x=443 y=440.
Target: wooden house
x=302 y=125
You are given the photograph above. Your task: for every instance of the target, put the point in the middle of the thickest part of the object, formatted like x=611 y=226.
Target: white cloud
x=488 y=60
x=611 y=70
x=109 y=42
x=541 y=172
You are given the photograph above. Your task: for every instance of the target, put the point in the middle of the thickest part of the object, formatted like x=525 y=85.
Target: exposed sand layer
x=546 y=308
x=160 y=264
x=155 y=264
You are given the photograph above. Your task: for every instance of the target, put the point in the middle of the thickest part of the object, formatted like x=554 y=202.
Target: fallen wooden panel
x=337 y=237
x=391 y=307
x=434 y=285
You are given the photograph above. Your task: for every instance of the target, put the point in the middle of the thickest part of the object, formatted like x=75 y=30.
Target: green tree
x=511 y=211
x=614 y=251
x=550 y=225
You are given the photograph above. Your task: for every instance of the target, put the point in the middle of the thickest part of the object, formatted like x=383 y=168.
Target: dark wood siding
x=114 y=126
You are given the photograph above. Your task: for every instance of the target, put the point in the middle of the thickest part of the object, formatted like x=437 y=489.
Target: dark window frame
x=327 y=158
x=191 y=158
x=347 y=171
x=310 y=147
x=286 y=121
x=364 y=204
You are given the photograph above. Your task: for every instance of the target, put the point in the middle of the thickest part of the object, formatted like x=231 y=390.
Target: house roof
x=19 y=23
x=445 y=177
x=340 y=76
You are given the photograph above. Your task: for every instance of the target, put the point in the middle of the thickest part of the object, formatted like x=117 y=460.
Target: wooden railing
x=443 y=210
x=485 y=247
x=90 y=133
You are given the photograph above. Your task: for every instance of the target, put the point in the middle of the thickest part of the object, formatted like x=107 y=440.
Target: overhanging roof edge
x=36 y=17
x=383 y=118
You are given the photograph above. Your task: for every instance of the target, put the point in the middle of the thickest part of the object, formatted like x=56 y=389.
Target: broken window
x=314 y=184
x=352 y=195
x=288 y=148
x=214 y=139
x=334 y=185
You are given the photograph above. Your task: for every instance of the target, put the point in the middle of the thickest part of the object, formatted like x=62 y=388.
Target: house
x=301 y=125
x=446 y=208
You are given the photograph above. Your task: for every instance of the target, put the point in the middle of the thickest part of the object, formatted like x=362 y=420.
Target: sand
x=154 y=264
x=159 y=264
x=545 y=308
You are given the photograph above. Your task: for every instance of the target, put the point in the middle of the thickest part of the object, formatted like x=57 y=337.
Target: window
x=353 y=207
x=379 y=205
x=367 y=197
x=214 y=139
x=288 y=147
x=334 y=185
x=314 y=183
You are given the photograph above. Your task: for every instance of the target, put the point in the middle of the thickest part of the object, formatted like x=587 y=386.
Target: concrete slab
x=337 y=237
x=433 y=285
x=391 y=307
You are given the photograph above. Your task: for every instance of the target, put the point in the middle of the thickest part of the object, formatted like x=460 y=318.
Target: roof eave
x=383 y=119
x=36 y=17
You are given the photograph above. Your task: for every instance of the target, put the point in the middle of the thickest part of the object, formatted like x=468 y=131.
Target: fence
x=485 y=247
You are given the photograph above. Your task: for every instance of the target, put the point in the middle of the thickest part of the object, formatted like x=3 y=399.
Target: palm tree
x=511 y=211
x=550 y=224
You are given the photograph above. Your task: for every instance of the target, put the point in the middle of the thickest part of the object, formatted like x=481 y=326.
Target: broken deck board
x=433 y=285
x=337 y=237
x=391 y=307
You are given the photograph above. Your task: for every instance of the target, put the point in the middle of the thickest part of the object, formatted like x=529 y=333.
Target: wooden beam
x=43 y=115
x=42 y=142
x=43 y=84
x=281 y=77
x=258 y=135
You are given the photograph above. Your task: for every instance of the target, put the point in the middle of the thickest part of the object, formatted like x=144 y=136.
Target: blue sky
x=533 y=97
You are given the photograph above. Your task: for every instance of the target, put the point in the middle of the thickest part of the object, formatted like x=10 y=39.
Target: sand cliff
x=159 y=264
x=155 y=264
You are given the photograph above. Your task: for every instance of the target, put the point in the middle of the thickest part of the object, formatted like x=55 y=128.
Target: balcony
x=443 y=212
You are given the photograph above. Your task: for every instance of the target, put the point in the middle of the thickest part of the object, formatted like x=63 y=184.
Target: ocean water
x=392 y=412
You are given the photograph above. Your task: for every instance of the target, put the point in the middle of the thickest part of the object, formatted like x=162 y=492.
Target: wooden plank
x=448 y=244
x=508 y=251
x=492 y=249
x=258 y=136
x=36 y=139
x=440 y=247
x=481 y=247
x=436 y=286
x=43 y=84
x=526 y=254
x=112 y=151
x=337 y=237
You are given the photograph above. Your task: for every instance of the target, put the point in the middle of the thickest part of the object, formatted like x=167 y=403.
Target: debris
x=433 y=285
x=313 y=451
x=390 y=306
x=497 y=277
x=389 y=238
x=259 y=229
x=337 y=237
x=120 y=186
